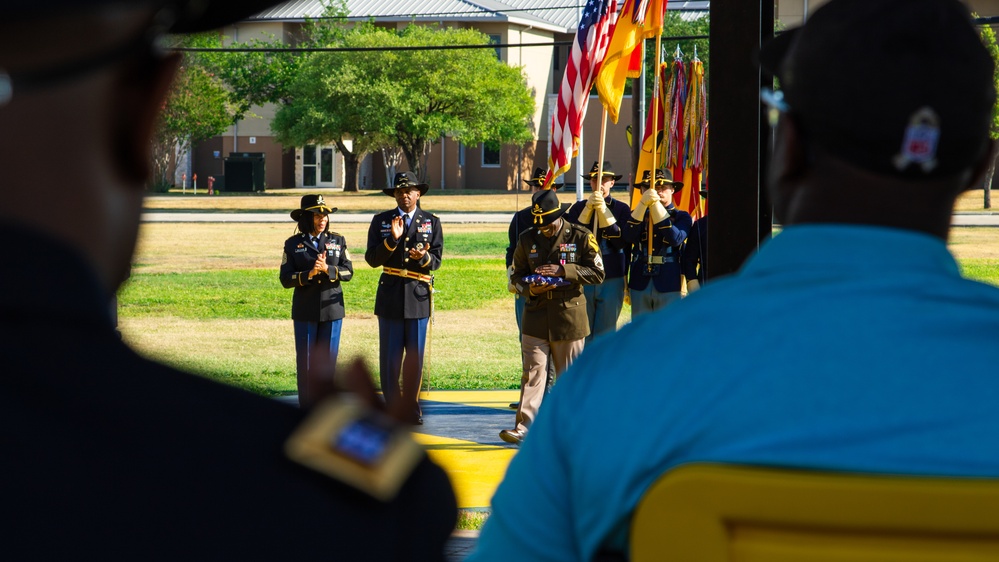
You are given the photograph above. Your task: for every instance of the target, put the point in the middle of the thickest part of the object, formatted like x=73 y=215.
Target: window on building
x=490 y=158
x=495 y=40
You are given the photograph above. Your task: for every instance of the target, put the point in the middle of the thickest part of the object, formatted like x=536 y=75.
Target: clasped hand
x=320 y=266
x=596 y=201
x=548 y=270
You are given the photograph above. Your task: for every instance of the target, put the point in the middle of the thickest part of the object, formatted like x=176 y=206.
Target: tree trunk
x=351 y=165
x=987 y=203
x=392 y=157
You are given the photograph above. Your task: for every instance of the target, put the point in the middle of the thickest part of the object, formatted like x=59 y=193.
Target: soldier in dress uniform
x=314 y=263
x=605 y=300
x=694 y=258
x=654 y=279
x=522 y=220
x=407 y=243
x=552 y=263
x=109 y=455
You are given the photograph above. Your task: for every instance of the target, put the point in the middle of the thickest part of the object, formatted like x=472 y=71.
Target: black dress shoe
x=513 y=436
x=419 y=420
x=514 y=405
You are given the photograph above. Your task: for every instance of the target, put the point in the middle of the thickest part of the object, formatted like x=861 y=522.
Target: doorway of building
x=319 y=167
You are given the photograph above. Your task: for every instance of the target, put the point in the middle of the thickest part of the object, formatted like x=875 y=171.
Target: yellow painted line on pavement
x=485 y=398
x=475 y=469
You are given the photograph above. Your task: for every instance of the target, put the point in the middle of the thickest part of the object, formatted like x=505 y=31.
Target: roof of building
x=554 y=15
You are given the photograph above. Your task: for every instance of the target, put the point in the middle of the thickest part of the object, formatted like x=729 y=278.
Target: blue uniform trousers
x=397 y=338
x=312 y=341
x=649 y=299
x=603 y=306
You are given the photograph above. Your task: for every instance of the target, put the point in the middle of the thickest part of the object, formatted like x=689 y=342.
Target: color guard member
x=655 y=276
x=604 y=300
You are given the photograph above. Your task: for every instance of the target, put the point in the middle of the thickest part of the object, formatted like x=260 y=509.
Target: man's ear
x=788 y=163
x=140 y=95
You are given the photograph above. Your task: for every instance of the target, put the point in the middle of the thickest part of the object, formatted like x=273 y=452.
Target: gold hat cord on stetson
x=537 y=216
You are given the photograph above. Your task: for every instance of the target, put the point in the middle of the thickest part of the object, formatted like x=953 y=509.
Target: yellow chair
x=728 y=513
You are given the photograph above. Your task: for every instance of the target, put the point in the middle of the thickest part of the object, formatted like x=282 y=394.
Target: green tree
x=330 y=100
x=199 y=107
x=408 y=98
x=989 y=38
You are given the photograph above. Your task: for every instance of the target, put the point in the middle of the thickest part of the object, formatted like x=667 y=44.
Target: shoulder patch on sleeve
x=592 y=241
x=359 y=447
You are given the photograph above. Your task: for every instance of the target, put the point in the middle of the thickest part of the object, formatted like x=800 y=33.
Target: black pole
x=740 y=214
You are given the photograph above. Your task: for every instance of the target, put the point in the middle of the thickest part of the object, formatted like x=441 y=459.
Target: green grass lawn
x=233 y=325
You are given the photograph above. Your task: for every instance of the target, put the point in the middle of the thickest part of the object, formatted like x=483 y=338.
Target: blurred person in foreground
x=849 y=342
x=111 y=456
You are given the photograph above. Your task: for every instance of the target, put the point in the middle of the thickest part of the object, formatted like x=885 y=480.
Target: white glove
x=605 y=217
x=649 y=197
x=692 y=285
x=658 y=213
x=509 y=280
x=638 y=213
x=596 y=201
x=586 y=215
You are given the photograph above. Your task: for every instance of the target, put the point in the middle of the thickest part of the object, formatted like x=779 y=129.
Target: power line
x=405 y=48
x=480 y=11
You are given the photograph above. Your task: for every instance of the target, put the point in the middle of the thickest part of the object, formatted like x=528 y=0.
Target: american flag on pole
x=588 y=49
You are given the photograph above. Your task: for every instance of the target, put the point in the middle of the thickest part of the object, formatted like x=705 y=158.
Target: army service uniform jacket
x=559 y=314
x=403 y=294
x=663 y=267
x=319 y=299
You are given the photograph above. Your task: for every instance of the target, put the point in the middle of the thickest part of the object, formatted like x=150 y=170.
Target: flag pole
x=655 y=124
x=600 y=162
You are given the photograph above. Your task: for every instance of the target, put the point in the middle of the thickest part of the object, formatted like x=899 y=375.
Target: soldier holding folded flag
x=552 y=262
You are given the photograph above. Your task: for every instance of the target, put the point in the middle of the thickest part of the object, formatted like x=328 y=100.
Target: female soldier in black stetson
x=314 y=263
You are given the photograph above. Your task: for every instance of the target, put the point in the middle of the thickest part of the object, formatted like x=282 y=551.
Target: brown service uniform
x=554 y=322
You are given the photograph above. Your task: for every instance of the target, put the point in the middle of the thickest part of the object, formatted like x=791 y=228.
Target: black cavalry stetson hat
x=662 y=177
x=312 y=204
x=539 y=178
x=608 y=171
x=405 y=179
x=545 y=207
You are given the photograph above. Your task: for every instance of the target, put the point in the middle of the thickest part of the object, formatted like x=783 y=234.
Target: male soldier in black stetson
x=110 y=456
x=521 y=221
x=654 y=279
x=694 y=257
x=604 y=301
x=407 y=243
x=553 y=261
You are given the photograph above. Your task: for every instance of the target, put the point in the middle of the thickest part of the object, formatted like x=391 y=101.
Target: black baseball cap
x=171 y=16
x=897 y=87
x=180 y=16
